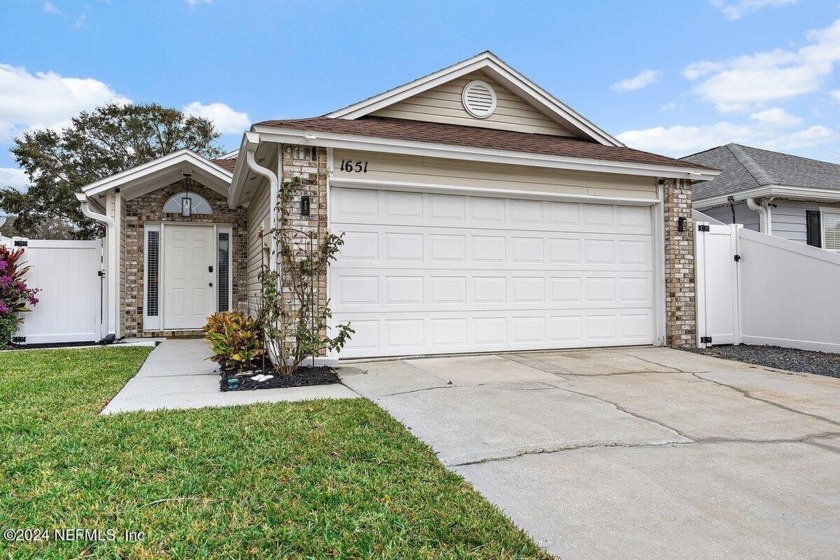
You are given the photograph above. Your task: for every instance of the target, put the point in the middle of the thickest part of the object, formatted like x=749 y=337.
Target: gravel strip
x=790 y=359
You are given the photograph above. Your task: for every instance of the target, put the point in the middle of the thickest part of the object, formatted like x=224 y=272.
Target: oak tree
x=95 y=145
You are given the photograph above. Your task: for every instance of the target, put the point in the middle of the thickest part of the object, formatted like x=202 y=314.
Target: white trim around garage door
x=656 y=216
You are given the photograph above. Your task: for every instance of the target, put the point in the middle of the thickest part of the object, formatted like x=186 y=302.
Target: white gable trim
x=499 y=71
x=167 y=167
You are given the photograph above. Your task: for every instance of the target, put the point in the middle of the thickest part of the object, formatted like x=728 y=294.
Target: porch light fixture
x=186 y=201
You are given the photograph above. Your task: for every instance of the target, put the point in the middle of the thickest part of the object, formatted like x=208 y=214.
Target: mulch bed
x=303 y=377
x=790 y=359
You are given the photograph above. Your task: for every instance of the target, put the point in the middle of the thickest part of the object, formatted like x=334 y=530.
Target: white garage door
x=424 y=273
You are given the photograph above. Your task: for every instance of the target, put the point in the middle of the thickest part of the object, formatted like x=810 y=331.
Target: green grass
x=302 y=480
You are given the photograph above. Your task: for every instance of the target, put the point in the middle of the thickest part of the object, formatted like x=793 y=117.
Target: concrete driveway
x=632 y=453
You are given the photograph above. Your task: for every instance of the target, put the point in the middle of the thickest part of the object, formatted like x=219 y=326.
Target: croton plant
x=15 y=295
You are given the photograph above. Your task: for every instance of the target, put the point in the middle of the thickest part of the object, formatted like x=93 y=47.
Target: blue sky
x=673 y=77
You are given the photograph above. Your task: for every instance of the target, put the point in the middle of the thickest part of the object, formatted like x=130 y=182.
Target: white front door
x=188 y=268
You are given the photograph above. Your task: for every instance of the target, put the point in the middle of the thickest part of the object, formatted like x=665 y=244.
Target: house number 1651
x=354 y=166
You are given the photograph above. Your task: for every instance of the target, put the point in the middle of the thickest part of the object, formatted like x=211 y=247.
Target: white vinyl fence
x=783 y=293
x=70 y=303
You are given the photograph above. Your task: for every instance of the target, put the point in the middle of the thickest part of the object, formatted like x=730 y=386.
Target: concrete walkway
x=177 y=374
x=632 y=453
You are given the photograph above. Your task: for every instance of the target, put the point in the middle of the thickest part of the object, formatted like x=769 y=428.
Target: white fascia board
x=775 y=191
x=399 y=93
x=125 y=178
x=537 y=95
x=501 y=72
x=448 y=151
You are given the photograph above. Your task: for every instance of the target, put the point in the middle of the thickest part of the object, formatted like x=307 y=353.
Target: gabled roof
x=492 y=65
x=472 y=137
x=147 y=177
x=744 y=168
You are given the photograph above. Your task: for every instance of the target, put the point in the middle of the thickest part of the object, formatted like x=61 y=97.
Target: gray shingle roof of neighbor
x=743 y=168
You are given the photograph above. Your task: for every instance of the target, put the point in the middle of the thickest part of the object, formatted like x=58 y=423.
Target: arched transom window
x=198 y=204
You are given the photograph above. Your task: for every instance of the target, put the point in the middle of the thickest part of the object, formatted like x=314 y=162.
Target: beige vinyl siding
x=443 y=105
x=258 y=220
x=417 y=170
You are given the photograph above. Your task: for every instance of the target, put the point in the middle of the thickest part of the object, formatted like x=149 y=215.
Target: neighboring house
x=788 y=196
x=479 y=213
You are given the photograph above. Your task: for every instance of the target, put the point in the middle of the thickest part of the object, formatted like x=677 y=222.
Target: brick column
x=310 y=164
x=680 y=286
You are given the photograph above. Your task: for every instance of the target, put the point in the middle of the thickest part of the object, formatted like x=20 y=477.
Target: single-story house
x=779 y=194
x=479 y=213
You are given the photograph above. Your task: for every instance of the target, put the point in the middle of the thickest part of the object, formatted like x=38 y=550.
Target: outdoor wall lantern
x=304 y=205
x=681 y=223
x=186 y=201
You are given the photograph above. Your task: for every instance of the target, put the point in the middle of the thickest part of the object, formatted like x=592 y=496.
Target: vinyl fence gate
x=754 y=288
x=68 y=273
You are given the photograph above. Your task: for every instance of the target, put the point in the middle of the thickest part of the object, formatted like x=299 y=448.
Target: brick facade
x=149 y=208
x=680 y=285
x=310 y=164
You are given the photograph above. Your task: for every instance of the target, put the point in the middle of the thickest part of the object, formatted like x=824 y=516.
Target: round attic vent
x=479 y=99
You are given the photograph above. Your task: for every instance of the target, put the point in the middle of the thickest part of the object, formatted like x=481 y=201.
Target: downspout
x=769 y=209
x=763 y=214
x=273 y=193
x=111 y=263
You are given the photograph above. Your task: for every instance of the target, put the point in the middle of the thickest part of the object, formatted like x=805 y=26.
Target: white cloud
x=639 y=81
x=226 y=119
x=816 y=135
x=736 y=10
x=776 y=116
x=670 y=106
x=197 y=2
x=681 y=140
x=835 y=95
x=46 y=99
x=12 y=177
x=50 y=8
x=740 y=84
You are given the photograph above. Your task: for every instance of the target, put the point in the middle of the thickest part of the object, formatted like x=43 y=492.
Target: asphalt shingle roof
x=226 y=164
x=475 y=137
x=743 y=168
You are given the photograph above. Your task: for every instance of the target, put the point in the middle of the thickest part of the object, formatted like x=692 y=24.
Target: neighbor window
x=831 y=230
x=813 y=229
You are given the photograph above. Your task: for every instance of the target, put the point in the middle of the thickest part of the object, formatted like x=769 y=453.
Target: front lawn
x=306 y=480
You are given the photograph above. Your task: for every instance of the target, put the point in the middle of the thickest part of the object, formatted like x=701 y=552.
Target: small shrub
x=234 y=339
x=15 y=295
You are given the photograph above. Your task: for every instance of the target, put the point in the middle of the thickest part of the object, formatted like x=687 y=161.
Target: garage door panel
x=477 y=248
x=434 y=273
x=405 y=334
x=365 y=206
x=428 y=290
